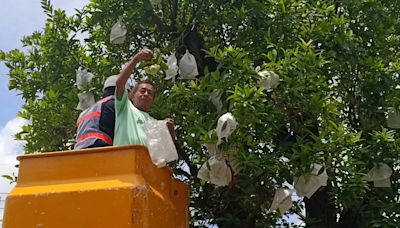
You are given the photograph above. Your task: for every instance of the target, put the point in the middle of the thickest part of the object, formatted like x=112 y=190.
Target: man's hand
x=171 y=128
x=144 y=54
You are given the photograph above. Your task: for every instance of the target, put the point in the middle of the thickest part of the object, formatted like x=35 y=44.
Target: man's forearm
x=124 y=76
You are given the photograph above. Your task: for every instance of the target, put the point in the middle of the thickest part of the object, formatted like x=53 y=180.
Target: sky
x=18 y=18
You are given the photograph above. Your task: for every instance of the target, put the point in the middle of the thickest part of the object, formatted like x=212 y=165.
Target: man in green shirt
x=130 y=115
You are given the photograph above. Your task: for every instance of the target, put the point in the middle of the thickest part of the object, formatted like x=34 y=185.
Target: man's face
x=143 y=97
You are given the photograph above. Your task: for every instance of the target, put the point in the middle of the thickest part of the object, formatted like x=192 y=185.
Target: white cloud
x=9 y=147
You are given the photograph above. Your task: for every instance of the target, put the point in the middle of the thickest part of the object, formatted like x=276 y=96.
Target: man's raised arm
x=144 y=54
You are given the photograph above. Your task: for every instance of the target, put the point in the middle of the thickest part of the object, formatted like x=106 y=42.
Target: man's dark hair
x=136 y=87
x=109 y=91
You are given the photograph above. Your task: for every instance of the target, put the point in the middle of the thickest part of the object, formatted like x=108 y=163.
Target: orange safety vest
x=88 y=125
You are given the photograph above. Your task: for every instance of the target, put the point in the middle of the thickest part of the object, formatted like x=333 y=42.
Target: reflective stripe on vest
x=87 y=116
x=101 y=136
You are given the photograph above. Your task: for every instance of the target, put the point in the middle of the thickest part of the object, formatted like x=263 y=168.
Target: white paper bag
x=86 y=99
x=225 y=126
x=118 y=32
x=269 y=80
x=83 y=78
x=172 y=70
x=380 y=175
x=216 y=172
x=188 y=66
x=161 y=147
x=282 y=200
x=307 y=185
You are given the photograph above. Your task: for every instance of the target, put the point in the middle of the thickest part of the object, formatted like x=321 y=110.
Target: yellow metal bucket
x=109 y=187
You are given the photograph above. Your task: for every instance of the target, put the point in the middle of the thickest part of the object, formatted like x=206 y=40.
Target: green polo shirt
x=128 y=121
